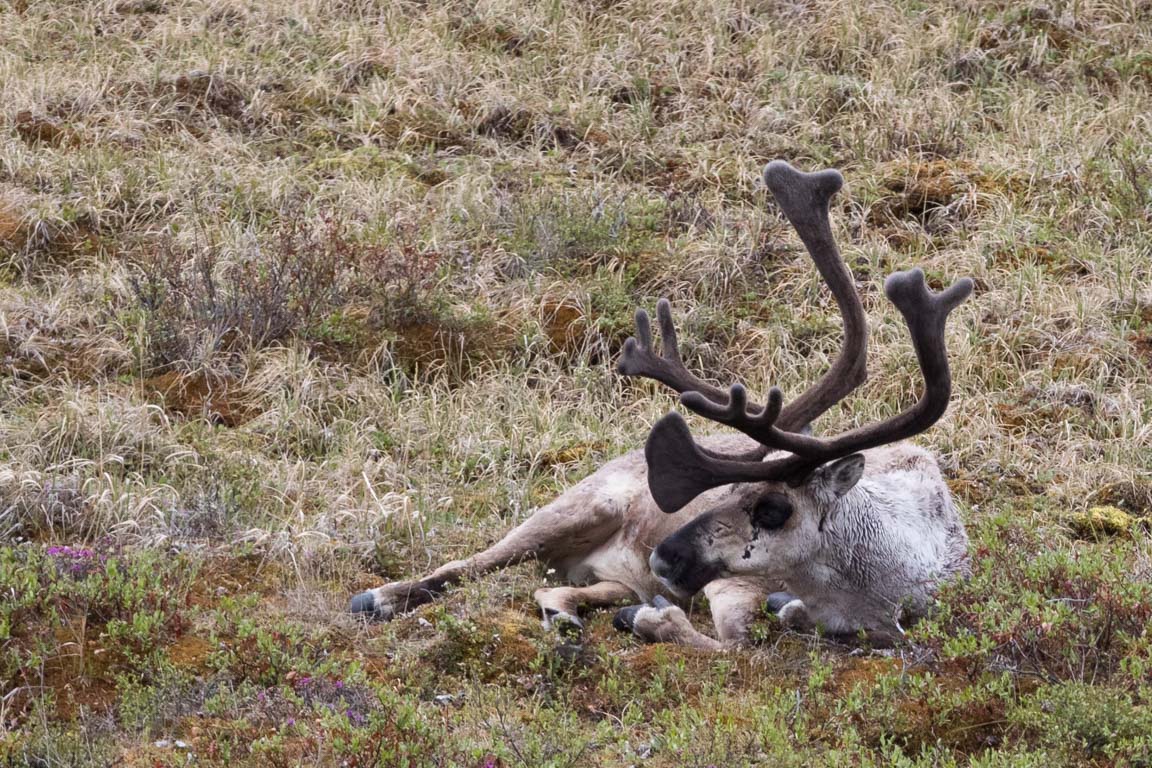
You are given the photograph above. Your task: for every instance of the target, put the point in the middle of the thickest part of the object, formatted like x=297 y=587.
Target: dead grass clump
x=38 y=507
x=105 y=430
x=420 y=125
x=919 y=188
x=1040 y=409
x=37 y=232
x=13 y=218
x=141 y=7
x=565 y=323
x=1142 y=344
x=1065 y=347
x=494 y=34
x=200 y=395
x=570 y=453
x=1050 y=256
x=198 y=102
x=994 y=481
x=523 y=127
x=43 y=129
x=968 y=67
x=939 y=192
x=357 y=71
x=206 y=516
x=454 y=341
x=208 y=91
x=642 y=92
x=558 y=232
x=1031 y=40
x=55 y=336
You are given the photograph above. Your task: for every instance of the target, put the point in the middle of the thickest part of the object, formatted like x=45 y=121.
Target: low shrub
x=199 y=303
x=1063 y=610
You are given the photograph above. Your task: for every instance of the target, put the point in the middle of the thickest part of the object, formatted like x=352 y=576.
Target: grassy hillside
x=302 y=296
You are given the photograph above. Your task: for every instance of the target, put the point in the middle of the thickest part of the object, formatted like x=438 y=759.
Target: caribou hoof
x=364 y=606
x=778 y=600
x=625 y=618
x=565 y=624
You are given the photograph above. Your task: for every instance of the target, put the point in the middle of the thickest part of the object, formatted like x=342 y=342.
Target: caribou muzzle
x=681 y=566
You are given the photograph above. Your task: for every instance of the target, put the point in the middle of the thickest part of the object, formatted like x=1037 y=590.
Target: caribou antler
x=639 y=357
x=679 y=470
x=804 y=199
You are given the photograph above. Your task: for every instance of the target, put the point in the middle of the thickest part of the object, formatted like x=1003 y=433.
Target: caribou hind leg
x=838 y=624
x=561 y=529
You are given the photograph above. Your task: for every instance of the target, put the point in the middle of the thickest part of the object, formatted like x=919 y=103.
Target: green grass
x=297 y=298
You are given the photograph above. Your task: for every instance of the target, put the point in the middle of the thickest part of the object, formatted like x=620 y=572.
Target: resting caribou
x=847 y=534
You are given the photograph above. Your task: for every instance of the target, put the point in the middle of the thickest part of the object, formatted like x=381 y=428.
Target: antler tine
x=639 y=358
x=804 y=199
x=925 y=313
x=736 y=409
x=759 y=425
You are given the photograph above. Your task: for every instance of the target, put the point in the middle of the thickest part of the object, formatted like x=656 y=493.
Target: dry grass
x=508 y=180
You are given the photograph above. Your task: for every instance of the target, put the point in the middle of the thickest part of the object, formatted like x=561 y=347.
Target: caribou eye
x=771 y=511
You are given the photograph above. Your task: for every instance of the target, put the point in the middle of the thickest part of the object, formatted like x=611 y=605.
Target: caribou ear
x=677 y=468
x=839 y=477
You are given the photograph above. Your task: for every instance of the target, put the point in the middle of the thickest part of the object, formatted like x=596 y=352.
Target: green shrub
x=85 y=613
x=1083 y=720
x=1043 y=605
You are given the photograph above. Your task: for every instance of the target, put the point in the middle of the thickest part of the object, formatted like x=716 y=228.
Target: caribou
x=848 y=534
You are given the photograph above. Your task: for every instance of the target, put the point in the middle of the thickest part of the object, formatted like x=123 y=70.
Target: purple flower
x=77 y=561
x=69 y=552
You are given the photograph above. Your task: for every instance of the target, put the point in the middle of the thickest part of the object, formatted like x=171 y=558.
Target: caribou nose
x=680 y=566
x=658 y=564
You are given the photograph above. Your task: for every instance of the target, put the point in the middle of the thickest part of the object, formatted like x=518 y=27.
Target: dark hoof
x=364 y=606
x=778 y=600
x=625 y=618
x=569 y=627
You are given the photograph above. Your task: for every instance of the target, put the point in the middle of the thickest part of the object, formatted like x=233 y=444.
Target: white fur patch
x=617 y=485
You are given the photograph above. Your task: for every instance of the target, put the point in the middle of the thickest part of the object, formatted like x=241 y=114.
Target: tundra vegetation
x=297 y=298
